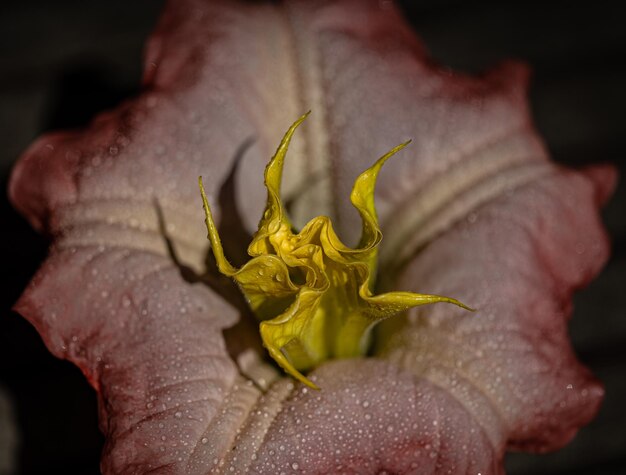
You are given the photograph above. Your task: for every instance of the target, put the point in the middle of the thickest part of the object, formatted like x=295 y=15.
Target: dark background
x=62 y=61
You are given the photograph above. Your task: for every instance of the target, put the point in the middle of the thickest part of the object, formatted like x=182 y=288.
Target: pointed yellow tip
x=278 y=356
x=299 y=121
x=300 y=377
x=399 y=147
x=311 y=384
x=222 y=263
x=379 y=163
x=462 y=305
x=205 y=201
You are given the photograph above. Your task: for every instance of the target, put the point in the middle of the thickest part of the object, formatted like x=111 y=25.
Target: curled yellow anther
x=312 y=293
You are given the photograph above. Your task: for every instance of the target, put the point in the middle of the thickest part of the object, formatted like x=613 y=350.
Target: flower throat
x=312 y=294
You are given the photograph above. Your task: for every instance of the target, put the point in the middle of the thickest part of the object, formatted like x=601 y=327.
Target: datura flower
x=333 y=311
x=473 y=209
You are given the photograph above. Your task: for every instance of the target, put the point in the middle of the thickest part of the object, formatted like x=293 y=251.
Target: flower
x=474 y=210
x=331 y=314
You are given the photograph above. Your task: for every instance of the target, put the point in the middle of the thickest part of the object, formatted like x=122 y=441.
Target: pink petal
x=111 y=299
x=149 y=343
x=373 y=418
x=517 y=260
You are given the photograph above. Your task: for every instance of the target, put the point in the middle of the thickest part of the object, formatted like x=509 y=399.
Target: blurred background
x=62 y=61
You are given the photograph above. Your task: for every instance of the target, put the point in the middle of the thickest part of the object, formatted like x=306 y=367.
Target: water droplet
x=204 y=440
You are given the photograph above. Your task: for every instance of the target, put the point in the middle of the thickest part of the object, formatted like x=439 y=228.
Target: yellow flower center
x=312 y=293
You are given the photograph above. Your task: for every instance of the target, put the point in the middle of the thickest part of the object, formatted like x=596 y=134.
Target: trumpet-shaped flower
x=473 y=210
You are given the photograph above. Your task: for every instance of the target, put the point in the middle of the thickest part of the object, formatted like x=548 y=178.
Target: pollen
x=312 y=294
